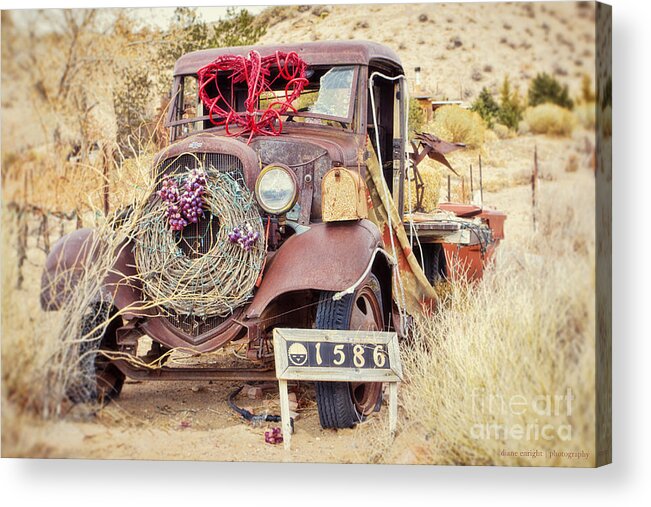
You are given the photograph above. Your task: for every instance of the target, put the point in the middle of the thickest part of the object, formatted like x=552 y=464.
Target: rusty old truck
x=340 y=249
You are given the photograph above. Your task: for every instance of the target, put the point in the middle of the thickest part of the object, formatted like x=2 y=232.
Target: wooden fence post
x=534 y=187
x=481 y=184
x=107 y=156
x=23 y=232
x=45 y=232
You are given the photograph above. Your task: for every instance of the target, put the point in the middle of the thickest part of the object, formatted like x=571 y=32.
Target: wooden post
x=449 y=188
x=481 y=184
x=393 y=408
x=463 y=189
x=472 y=189
x=23 y=232
x=45 y=232
x=106 y=156
x=534 y=186
x=284 y=414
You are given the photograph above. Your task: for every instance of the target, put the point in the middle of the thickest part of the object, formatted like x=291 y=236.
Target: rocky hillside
x=459 y=47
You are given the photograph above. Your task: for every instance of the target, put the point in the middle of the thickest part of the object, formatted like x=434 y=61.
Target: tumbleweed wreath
x=208 y=284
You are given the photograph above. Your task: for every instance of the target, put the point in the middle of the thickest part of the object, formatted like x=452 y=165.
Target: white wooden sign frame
x=286 y=371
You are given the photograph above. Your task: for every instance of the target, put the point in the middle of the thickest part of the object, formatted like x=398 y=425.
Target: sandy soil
x=461 y=47
x=192 y=421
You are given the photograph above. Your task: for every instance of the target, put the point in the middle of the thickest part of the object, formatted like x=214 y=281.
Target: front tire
x=344 y=404
x=97 y=379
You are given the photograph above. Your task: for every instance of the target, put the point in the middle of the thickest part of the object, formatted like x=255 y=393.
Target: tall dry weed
x=505 y=363
x=41 y=350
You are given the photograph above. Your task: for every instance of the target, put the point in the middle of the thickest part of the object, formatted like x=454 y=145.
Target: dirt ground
x=192 y=421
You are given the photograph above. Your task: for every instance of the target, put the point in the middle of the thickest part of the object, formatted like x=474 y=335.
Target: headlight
x=276 y=189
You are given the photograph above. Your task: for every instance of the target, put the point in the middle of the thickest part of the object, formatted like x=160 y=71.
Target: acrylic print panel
x=162 y=177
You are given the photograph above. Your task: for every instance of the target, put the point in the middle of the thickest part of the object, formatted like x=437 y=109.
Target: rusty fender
x=329 y=257
x=72 y=255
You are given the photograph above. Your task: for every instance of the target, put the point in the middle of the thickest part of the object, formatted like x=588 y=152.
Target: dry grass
x=503 y=132
x=46 y=179
x=458 y=125
x=586 y=114
x=550 y=119
x=41 y=347
x=496 y=352
x=433 y=175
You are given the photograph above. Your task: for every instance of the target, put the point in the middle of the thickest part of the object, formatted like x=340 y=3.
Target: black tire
x=97 y=379
x=343 y=404
x=434 y=262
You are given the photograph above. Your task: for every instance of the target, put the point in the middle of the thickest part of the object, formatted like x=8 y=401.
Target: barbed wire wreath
x=208 y=284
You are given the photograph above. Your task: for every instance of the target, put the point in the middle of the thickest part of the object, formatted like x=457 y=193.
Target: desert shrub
x=502 y=131
x=131 y=98
x=586 y=115
x=587 y=90
x=486 y=106
x=432 y=175
x=490 y=136
x=511 y=107
x=458 y=125
x=523 y=128
x=416 y=116
x=550 y=119
x=545 y=88
x=189 y=32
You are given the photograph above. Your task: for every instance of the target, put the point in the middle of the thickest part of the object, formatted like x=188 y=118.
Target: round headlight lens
x=276 y=189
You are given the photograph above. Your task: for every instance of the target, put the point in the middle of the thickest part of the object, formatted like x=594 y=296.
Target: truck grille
x=196 y=239
x=222 y=162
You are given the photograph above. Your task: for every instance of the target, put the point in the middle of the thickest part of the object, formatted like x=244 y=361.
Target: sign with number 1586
x=345 y=355
x=322 y=354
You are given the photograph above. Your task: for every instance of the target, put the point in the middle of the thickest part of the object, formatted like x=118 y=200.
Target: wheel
x=97 y=378
x=343 y=404
x=434 y=260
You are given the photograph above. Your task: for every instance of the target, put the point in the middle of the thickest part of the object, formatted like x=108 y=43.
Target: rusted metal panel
x=69 y=259
x=328 y=257
x=314 y=53
x=494 y=219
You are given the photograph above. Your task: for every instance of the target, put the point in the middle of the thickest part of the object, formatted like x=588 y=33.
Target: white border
x=97 y=483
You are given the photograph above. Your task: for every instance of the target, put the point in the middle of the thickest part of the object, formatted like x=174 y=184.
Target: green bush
x=486 y=106
x=189 y=32
x=511 y=107
x=416 y=116
x=546 y=89
x=509 y=110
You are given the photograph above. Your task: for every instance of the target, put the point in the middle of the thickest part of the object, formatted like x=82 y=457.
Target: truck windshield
x=327 y=99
